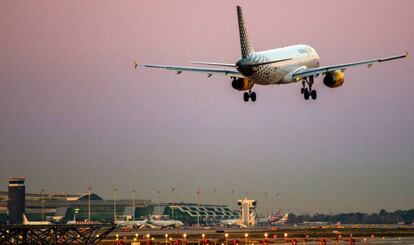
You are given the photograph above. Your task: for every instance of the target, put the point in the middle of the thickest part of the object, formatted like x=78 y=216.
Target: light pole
x=89 y=204
x=226 y=236
x=133 y=204
x=246 y=235
x=159 y=200
x=172 y=206
x=198 y=207
x=215 y=203
x=43 y=204
x=115 y=191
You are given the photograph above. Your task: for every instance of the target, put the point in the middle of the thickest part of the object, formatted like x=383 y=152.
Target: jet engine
x=334 y=79
x=241 y=84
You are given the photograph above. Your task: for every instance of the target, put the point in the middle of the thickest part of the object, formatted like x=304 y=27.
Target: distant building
x=191 y=213
x=248 y=211
x=15 y=200
x=61 y=207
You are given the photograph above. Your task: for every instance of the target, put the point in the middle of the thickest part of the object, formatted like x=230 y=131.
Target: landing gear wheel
x=306 y=94
x=313 y=94
x=246 y=96
x=253 y=96
x=307 y=91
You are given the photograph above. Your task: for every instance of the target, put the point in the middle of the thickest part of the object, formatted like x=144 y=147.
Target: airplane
x=281 y=221
x=292 y=64
x=170 y=223
x=27 y=222
x=132 y=223
x=275 y=217
x=270 y=217
x=232 y=222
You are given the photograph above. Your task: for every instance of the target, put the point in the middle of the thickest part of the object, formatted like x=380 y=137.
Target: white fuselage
x=165 y=223
x=301 y=56
x=130 y=223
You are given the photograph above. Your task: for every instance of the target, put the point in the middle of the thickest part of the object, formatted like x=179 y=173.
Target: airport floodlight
x=43 y=204
x=89 y=204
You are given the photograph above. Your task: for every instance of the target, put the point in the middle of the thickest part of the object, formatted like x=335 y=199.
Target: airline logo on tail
x=283 y=220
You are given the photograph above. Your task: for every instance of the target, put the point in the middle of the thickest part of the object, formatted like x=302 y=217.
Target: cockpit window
x=307 y=51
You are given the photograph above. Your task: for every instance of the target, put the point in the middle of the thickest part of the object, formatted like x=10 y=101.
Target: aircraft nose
x=244 y=67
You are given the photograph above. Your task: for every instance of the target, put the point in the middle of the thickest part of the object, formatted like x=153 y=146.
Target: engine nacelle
x=334 y=79
x=241 y=84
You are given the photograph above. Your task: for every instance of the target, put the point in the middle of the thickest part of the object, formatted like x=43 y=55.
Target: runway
x=285 y=235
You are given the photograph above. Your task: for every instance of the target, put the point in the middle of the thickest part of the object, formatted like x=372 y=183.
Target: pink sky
x=72 y=107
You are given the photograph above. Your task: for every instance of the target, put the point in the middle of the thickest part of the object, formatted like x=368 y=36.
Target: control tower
x=248 y=211
x=16 y=204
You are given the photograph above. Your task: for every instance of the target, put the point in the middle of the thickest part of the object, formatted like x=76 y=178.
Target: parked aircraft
x=137 y=224
x=170 y=223
x=281 y=221
x=27 y=222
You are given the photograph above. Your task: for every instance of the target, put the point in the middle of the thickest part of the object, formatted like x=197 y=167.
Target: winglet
x=135 y=64
x=406 y=53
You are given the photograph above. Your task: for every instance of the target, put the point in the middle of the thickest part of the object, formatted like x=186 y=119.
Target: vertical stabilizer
x=25 y=220
x=246 y=49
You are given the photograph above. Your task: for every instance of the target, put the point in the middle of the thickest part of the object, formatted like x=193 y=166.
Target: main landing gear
x=308 y=91
x=250 y=94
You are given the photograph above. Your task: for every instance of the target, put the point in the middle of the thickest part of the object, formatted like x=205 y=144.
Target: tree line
x=382 y=217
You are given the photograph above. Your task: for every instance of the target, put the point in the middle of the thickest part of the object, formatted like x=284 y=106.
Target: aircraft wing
x=209 y=71
x=325 y=69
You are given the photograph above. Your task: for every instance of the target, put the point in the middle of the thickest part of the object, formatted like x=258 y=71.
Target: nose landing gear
x=308 y=91
x=251 y=95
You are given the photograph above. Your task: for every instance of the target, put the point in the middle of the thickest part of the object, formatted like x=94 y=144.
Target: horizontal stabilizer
x=268 y=62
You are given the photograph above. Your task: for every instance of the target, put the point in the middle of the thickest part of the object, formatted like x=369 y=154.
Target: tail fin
x=285 y=218
x=276 y=217
x=25 y=220
x=246 y=49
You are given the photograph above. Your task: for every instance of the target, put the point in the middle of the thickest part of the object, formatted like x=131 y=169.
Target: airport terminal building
x=60 y=208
